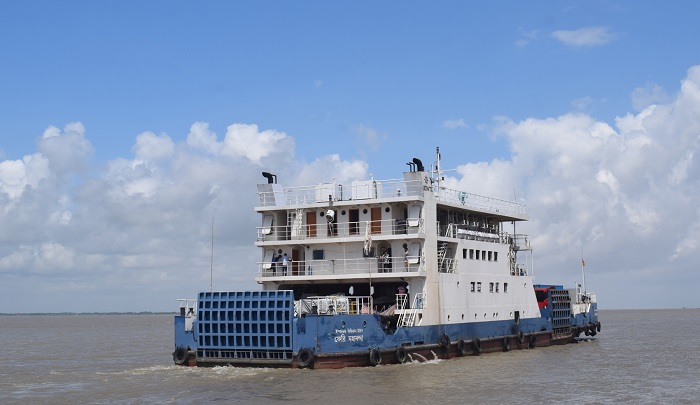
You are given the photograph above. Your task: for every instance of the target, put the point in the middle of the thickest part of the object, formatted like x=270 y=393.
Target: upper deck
x=273 y=196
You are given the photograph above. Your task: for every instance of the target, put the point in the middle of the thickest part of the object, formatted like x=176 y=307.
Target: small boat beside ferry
x=380 y=272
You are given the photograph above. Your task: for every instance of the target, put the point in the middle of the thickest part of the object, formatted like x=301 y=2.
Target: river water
x=641 y=356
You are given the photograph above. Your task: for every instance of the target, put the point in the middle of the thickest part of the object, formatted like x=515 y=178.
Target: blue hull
x=260 y=329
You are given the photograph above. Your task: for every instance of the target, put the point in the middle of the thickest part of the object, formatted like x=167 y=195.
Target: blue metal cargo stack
x=245 y=327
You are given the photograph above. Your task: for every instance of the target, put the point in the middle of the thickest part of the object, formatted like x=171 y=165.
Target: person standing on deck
x=285 y=262
x=405 y=257
x=275 y=262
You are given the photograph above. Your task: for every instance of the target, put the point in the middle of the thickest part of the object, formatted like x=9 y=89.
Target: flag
x=583 y=264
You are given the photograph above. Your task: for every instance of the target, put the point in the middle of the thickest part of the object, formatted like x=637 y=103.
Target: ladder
x=408 y=317
x=297 y=223
x=442 y=250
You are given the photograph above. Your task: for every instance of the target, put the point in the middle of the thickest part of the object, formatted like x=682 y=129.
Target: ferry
x=382 y=272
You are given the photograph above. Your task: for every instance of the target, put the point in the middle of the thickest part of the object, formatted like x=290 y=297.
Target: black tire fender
x=375 y=357
x=476 y=343
x=180 y=355
x=401 y=355
x=305 y=358
x=445 y=341
x=461 y=347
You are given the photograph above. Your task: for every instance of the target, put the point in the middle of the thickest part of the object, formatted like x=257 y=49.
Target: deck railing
x=361 y=266
x=479 y=202
x=338 y=230
x=375 y=189
x=357 y=190
x=334 y=305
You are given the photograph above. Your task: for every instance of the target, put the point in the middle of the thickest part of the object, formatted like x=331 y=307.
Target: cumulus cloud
x=584 y=37
x=626 y=192
x=150 y=146
x=247 y=141
x=67 y=150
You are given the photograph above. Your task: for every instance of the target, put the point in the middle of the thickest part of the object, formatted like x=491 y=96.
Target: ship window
x=464 y=253
x=478 y=286
x=505 y=287
x=318 y=254
x=473 y=286
x=490 y=287
x=495 y=256
x=471 y=254
x=478 y=254
x=490 y=255
x=497 y=286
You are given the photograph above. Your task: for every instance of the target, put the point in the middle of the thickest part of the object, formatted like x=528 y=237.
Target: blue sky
x=126 y=126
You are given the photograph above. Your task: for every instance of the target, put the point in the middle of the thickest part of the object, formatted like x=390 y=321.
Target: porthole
x=321 y=214
x=387 y=209
x=458 y=284
x=342 y=325
x=342 y=212
x=475 y=316
x=462 y=316
x=484 y=315
x=364 y=324
x=448 y=317
x=364 y=211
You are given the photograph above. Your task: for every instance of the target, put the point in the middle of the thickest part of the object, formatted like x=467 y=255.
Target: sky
x=129 y=129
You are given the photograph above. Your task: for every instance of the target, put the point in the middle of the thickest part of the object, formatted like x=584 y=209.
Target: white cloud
x=332 y=169
x=247 y=141
x=583 y=37
x=150 y=146
x=643 y=97
x=627 y=192
x=452 y=124
x=15 y=175
x=67 y=151
x=200 y=137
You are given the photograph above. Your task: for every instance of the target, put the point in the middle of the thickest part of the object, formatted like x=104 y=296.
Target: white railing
x=478 y=201
x=340 y=229
x=357 y=190
x=334 y=305
x=360 y=266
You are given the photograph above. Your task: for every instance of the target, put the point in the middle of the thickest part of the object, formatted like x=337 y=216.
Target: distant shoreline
x=85 y=313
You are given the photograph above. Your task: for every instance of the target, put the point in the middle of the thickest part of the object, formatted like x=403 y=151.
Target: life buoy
x=305 y=358
x=445 y=341
x=375 y=357
x=476 y=343
x=521 y=337
x=461 y=347
x=180 y=355
x=532 y=341
x=401 y=355
x=506 y=343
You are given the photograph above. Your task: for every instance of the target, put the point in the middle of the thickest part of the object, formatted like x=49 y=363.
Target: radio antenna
x=211 y=265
